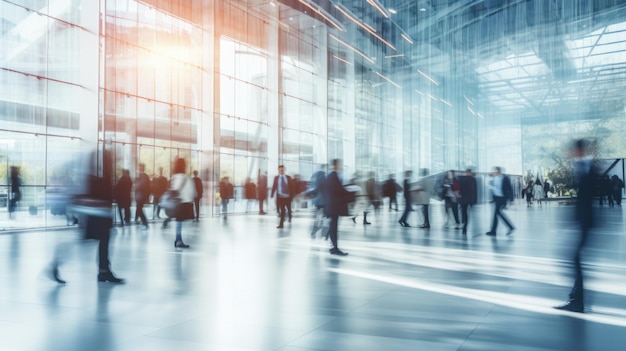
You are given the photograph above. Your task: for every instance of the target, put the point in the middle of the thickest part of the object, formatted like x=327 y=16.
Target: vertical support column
x=320 y=116
x=209 y=168
x=274 y=77
x=349 y=122
x=91 y=68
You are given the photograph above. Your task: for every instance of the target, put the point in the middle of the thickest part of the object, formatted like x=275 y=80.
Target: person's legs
x=455 y=212
x=196 y=203
x=405 y=214
x=142 y=216
x=127 y=213
x=496 y=211
x=179 y=230
x=332 y=230
x=464 y=217
x=425 y=214
x=281 y=205
x=288 y=205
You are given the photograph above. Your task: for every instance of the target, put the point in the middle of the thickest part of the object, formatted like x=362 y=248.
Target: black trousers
x=281 y=205
x=124 y=211
x=407 y=210
x=393 y=200
x=333 y=229
x=500 y=204
x=577 y=292
x=139 y=212
x=425 y=214
x=451 y=205
x=196 y=204
x=464 y=216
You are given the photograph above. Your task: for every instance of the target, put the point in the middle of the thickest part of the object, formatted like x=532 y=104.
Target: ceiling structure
x=544 y=59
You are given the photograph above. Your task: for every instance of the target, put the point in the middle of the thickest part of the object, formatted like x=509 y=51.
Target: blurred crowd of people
x=88 y=200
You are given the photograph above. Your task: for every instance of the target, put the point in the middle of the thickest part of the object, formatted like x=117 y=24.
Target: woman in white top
x=538 y=191
x=186 y=189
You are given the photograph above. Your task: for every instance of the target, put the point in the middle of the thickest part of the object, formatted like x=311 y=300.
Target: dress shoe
x=511 y=230
x=54 y=275
x=464 y=231
x=425 y=226
x=109 y=277
x=354 y=220
x=365 y=222
x=280 y=227
x=404 y=224
x=180 y=244
x=336 y=251
x=491 y=233
x=572 y=306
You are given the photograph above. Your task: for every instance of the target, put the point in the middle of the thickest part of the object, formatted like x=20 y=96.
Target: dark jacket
x=468 y=190
x=507 y=188
x=585 y=181
x=122 y=191
x=290 y=186
x=337 y=197
x=142 y=188
x=407 y=190
x=227 y=191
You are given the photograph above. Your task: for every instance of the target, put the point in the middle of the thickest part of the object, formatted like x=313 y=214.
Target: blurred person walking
x=337 y=199
x=249 y=192
x=408 y=207
x=502 y=192
x=538 y=191
x=585 y=182
x=197 y=182
x=96 y=207
x=390 y=190
x=423 y=189
x=186 y=189
x=616 y=189
x=281 y=187
x=15 y=194
x=317 y=193
x=227 y=192
x=468 y=196
x=361 y=203
x=450 y=192
x=159 y=186
x=528 y=192
x=373 y=193
x=142 y=194
x=261 y=190
x=121 y=193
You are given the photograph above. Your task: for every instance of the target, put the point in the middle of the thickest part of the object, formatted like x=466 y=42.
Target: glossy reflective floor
x=245 y=285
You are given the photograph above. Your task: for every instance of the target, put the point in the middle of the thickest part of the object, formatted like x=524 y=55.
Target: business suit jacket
x=469 y=193
x=290 y=186
x=337 y=196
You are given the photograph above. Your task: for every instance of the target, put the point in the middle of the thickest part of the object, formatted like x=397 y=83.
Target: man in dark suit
x=408 y=206
x=142 y=194
x=502 y=192
x=199 y=190
x=337 y=199
x=282 y=188
x=469 y=195
x=159 y=186
x=585 y=181
x=122 y=195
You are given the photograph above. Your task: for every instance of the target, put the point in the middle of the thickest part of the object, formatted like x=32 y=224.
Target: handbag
x=170 y=200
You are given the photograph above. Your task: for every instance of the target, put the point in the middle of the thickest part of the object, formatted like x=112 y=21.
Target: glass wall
x=239 y=87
